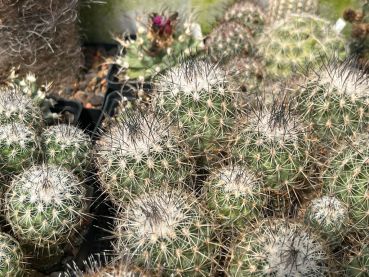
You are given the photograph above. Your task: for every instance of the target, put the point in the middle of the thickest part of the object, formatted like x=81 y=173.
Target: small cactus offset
x=68 y=146
x=197 y=96
x=138 y=152
x=281 y=9
x=167 y=232
x=335 y=100
x=357 y=264
x=45 y=206
x=290 y=44
x=279 y=248
x=18 y=147
x=12 y=262
x=159 y=43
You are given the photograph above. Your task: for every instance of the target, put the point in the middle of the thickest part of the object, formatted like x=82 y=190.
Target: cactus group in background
x=279 y=248
x=168 y=232
x=281 y=9
x=291 y=44
x=159 y=43
x=12 y=261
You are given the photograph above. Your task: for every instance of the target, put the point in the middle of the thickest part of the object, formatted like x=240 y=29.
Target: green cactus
x=45 y=206
x=290 y=44
x=279 y=248
x=346 y=178
x=168 y=232
x=335 y=100
x=140 y=151
x=281 y=9
x=329 y=217
x=18 y=147
x=67 y=146
x=234 y=194
x=12 y=262
x=196 y=95
x=158 y=45
x=358 y=263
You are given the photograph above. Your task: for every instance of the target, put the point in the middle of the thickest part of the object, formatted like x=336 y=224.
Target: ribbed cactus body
x=247 y=14
x=280 y=9
x=358 y=263
x=18 y=147
x=166 y=231
x=68 y=146
x=290 y=44
x=45 y=206
x=140 y=151
x=196 y=95
x=12 y=262
x=278 y=248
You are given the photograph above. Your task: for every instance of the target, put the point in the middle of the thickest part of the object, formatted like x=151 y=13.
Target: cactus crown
x=66 y=135
x=17 y=133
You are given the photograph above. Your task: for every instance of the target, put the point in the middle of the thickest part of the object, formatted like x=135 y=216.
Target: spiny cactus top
x=335 y=100
x=168 y=232
x=67 y=146
x=234 y=194
x=196 y=95
x=281 y=249
x=18 y=147
x=358 y=262
x=280 y=9
x=12 y=263
x=140 y=151
x=45 y=205
x=17 y=107
x=289 y=45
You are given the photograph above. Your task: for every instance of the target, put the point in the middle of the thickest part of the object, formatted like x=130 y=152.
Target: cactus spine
x=280 y=9
x=358 y=263
x=12 y=262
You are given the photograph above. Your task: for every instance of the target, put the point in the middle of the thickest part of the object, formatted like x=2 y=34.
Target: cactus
x=12 y=262
x=67 y=146
x=279 y=248
x=196 y=96
x=281 y=9
x=328 y=216
x=168 y=232
x=45 y=206
x=358 y=263
x=18 y=147
x=334 y=100
x=346 y=178
x=158 y=46
x=234 y=194
x=290 y=44
x=140 y=151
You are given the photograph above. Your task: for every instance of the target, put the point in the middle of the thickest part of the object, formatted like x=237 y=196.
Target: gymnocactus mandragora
x=280 y=9
x=12 y=261
x=68 y=146
x=161 y=39
x=197 y=96
x=19 y=147
x=329 y=217
x=234 y=194
x=274 y=144
x=278 y=248
x=346 y=178
x=45 y=206
x=334 y=100
x=139 y=151
x=288 y=45
x=357 y=264
x=167 y=232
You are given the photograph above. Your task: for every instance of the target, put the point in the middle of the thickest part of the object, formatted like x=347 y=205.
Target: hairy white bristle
x=66 y=135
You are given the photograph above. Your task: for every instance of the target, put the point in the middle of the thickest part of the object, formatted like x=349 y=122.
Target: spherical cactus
x=279 y=248
x=12 y=263
x=290 y=44
x=358 y=263
x=335 y=100
x=274 y=144
x=328 y=216
x=196 y=95
x=280 y=9
x=137 y=152
x=45 y=206
x=346 y=178
x=17 y=107
x=234 y=194
x=18 y=147
x=167 y=231
x=67 y=146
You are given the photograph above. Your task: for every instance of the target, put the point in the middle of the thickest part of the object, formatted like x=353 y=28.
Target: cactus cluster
x=281 y=9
